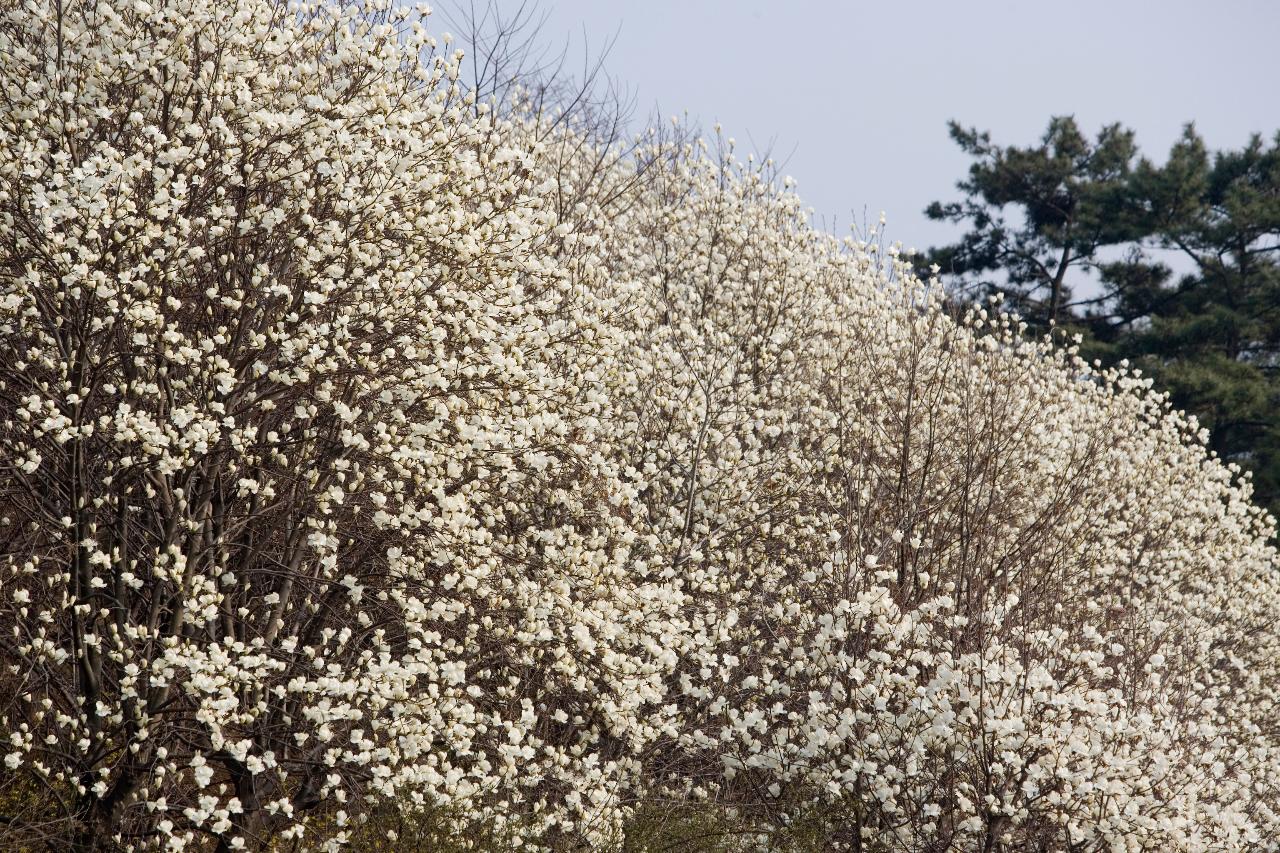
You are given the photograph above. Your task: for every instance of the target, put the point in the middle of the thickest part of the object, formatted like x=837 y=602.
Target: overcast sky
x=858 y=94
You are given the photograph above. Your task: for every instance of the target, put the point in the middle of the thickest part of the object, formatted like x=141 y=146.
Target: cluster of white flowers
x=360 y=442
x=948 y=587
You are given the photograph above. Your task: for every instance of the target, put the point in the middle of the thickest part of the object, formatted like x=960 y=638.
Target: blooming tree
x=946 y=587
x=364 y=443
x=306 y=495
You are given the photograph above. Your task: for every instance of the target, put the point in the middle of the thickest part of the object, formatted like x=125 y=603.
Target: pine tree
x=1212 y=338
x=1048 y=221
x=1064 y=191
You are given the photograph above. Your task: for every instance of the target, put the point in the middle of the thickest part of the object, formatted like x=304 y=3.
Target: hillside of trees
x=388 y=467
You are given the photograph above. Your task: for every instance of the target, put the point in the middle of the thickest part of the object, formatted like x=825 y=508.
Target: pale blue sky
x=858 y=94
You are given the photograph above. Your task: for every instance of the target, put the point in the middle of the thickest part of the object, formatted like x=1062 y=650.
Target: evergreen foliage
x=1075 y=233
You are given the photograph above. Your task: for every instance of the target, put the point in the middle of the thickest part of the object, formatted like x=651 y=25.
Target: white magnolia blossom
x=947 y=588
x=362 y=444
x=308 y=491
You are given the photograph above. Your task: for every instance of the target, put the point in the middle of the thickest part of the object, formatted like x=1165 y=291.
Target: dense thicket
x=365 y=447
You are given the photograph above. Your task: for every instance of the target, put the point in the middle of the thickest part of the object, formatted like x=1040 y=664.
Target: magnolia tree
x=946 y=588
x=306 y=491
x=366 y=446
